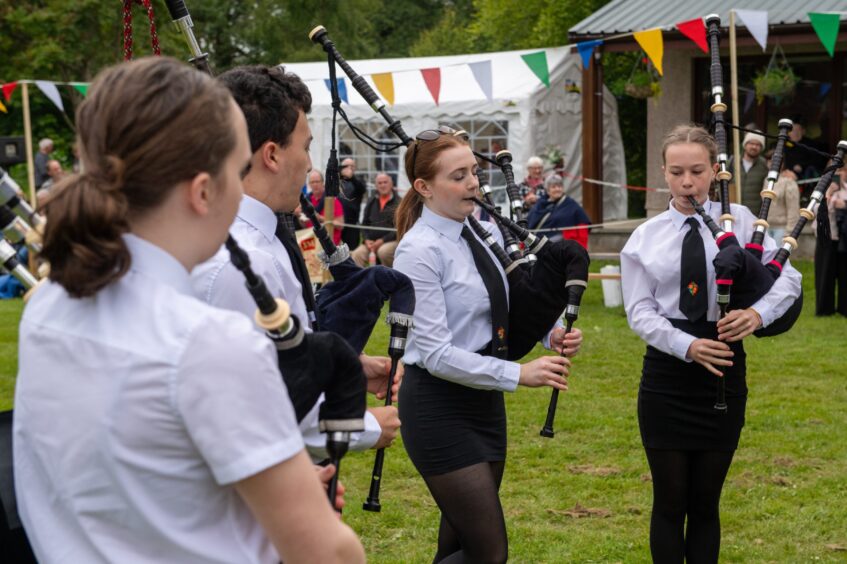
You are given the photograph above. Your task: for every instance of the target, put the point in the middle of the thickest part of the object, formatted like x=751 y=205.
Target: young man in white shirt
x=275 y=105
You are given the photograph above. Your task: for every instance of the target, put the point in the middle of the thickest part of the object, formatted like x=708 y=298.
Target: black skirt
x=448 y=426
x=676 y=399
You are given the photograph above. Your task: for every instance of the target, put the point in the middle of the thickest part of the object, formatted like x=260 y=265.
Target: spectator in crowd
x=532 y=187
x=54 y=174
x=785 y=208
x=554 y=211
x=379 y=212
x=831 y=252
x=353 y=191
x=805 y=163
x=751 y=176
x=317 y=197
x=45 y=147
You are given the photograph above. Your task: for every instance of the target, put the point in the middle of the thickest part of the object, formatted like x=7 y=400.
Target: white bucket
x=612 y=296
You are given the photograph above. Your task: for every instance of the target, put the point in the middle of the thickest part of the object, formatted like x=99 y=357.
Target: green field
x=584 y=496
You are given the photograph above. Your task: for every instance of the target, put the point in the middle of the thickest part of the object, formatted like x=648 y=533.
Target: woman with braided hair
x=148 y=425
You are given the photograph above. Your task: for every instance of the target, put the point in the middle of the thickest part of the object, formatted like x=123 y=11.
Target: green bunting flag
x=826 y=26
x=81 y=87
x=537 y=62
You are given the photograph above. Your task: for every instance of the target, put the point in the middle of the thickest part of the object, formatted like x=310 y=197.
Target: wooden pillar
x=592 y=137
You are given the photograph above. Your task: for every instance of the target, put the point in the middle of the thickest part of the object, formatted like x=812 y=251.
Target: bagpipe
x=17 y=219
x=553 y=276
x=741 y=277
x=311 y=364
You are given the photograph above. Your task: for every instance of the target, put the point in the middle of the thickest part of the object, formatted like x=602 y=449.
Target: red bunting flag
x=432 y=78
x=8 y=89
x=695 y=30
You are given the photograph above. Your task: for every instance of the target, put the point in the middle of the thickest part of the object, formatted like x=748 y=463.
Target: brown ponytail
x=144 y=127
x=426 y=167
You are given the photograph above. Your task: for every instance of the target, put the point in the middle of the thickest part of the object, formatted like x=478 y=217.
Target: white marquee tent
x=523 y=115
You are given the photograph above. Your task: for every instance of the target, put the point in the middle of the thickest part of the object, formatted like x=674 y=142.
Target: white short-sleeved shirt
x=135 y=411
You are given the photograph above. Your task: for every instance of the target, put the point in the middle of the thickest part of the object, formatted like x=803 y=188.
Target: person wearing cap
x=751 y=175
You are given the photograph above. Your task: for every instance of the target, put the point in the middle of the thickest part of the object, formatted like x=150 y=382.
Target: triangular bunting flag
x=51 y=92
x=8 y=89
x=432 y=79
x=652 y=43
x=756 y=22
x=3 y=108
x=385 y=84
x=81 y=87
x=482 y=73
x=586 y=48
x=695 y=30
x=537 y=63
x=826 y=26
x=342 y=88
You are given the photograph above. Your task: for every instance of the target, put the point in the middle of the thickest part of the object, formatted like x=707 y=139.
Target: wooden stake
x=329 y=217
x=30 y=163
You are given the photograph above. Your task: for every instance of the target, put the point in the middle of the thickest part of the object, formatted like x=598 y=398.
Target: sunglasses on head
x=432 y=135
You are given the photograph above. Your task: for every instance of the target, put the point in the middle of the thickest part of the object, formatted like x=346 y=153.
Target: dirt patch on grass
x=784 y=462
x=579 y=512
x=781 y=481
x=593 y=470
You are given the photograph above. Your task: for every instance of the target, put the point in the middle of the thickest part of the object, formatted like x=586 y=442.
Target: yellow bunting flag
x=651 y=42
x=3 y=108
x=385 y=84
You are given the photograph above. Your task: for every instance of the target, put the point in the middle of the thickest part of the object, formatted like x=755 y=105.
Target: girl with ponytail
x=451 y=401
x=149 y=426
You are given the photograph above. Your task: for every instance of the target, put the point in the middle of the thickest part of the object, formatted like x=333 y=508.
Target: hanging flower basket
x=775 y=83
x=778 y=80
x=643 y=81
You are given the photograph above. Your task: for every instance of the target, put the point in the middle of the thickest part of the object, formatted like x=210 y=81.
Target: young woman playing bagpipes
x=669 y=289
x=451 y=401
x=150 y=426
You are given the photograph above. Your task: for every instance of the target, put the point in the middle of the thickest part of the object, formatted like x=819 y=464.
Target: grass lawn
x=585 y=495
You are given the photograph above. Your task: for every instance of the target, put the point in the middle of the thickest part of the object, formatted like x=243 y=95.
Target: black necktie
x=285 y=234
x=692 y=291
x=496 y=294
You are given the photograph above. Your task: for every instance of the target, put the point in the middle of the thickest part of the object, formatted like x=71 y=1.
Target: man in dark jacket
x=379 y=244
x=353 y=190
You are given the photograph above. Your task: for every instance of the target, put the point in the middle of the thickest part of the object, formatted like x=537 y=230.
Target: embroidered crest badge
x=693 y=288
x=501 y=334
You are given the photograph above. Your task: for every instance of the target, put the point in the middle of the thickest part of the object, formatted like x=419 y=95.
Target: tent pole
x=736 y=145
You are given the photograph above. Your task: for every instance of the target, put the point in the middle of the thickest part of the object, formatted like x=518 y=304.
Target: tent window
x=488 y=137
x=368 y=161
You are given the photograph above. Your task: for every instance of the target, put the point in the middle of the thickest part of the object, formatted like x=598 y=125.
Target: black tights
x=472 y=528
x=686 y=483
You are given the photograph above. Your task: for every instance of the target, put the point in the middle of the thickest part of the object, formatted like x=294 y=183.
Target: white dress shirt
x=220 y=284
x=650 y=276
x=452 y=309
x=135 y=411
